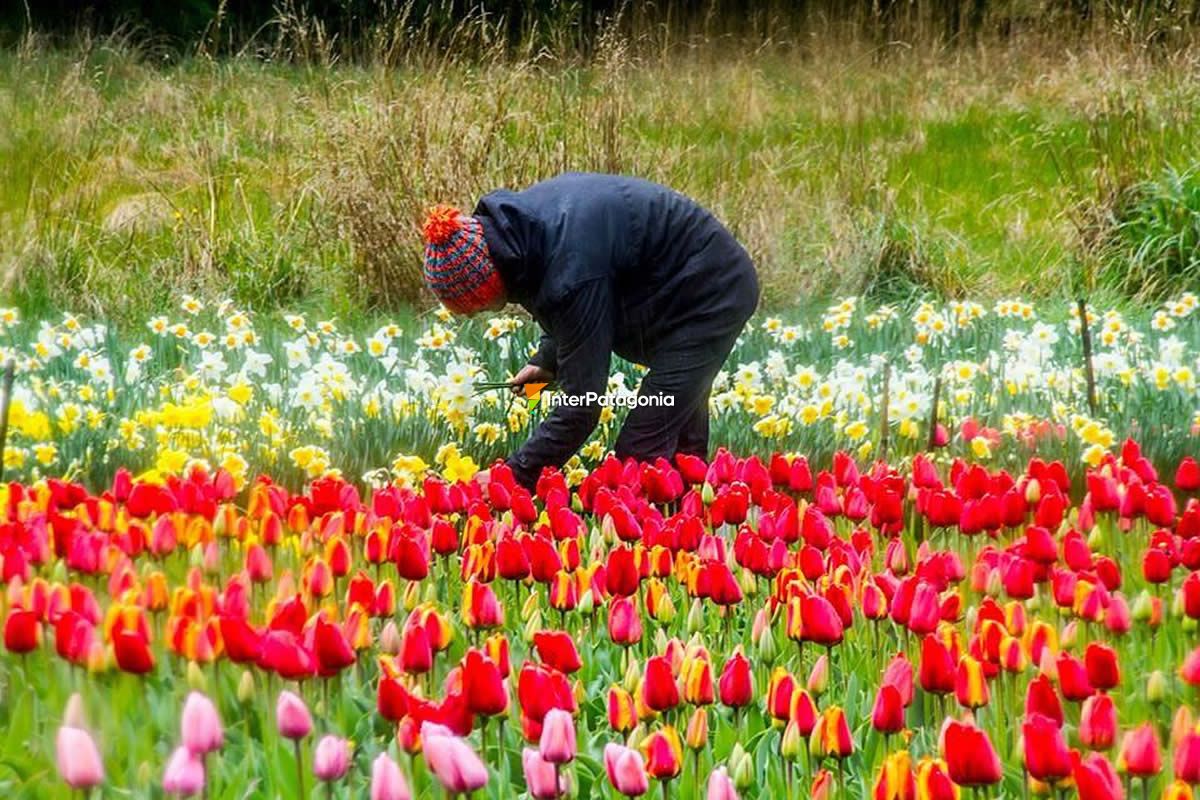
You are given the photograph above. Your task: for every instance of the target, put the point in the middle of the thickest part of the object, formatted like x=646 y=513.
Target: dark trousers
x=683 y=367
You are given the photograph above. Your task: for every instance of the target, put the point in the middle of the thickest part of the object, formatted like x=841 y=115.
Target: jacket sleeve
x=583 y=329
x=546 y=356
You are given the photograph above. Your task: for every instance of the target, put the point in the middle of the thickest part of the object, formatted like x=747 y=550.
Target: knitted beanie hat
x=458 y=268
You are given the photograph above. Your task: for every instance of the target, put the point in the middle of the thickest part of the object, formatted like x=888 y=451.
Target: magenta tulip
x=292 y=717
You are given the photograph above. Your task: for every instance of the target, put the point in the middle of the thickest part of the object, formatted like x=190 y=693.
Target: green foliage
x=1154 y=249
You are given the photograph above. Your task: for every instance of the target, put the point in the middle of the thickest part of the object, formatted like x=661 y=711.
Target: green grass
x=968 y=173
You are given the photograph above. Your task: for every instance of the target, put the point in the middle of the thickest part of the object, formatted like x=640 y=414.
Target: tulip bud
x=746 y=581
x=1070 y=634
x=390 y=639
x=73 y=716
x=660 y=640
x=707 y=494
x=665 y=611
x=576 y=503
x=1156 y=687
x=818 y=677
x=696 y=735
x=587 y=603
x=633 y=675
x=245 y=690
x=608 y=529
x=1095 y=538
x=529 y=606
x=532 y=625
x=195 y=677
x=695 y=617
x=196 y=555
x=1143 y=607
x=995 y=583
x=792 y=742
x=762 y=621
x=1033 y=491
x=59 y=573
x=412 y=595
x=768 y=650
x=1181 y=725
x=742 y=768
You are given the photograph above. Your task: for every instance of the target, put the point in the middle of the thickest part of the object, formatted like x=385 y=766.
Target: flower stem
x=299 y=768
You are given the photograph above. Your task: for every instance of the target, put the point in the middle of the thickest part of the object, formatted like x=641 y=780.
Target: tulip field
x=938 y=551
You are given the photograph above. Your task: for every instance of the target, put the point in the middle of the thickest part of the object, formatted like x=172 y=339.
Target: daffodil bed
x=1005 y=606
x=299 y=397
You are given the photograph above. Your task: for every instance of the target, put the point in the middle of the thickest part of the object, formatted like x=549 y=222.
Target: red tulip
x=332 y=649
x=22 y=631
x=830 y=737
x=481 y=609
x=938 y=668
x=1187 y=758
x=888 y=714
x=132 y=652
x=1095 y=779
x=736 y=684
x=1141 y=754
x=281 y=652
x=1103 y=671
x=1073 y=678
x=557 y=650
x=1098 y=722
x=483 y=684
x=416 y=653
x=1187 y=475
x=659 y=690
x=624 y=622
x=1046 y=755
x=970 y=758
x=664 y=754
x=970 y=683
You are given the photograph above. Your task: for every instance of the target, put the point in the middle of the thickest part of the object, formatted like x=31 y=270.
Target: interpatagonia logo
x=534 y=393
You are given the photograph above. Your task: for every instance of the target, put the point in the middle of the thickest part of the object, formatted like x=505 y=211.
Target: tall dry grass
x=289 y=175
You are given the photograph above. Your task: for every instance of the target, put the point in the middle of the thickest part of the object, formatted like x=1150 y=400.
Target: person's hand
x=530 y=373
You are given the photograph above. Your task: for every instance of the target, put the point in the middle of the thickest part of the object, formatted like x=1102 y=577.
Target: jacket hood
x=514 y=239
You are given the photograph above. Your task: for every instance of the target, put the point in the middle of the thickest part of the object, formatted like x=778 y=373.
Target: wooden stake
x=933 y=411
x=885 y=422
x=10 y=372
x=1085 y=335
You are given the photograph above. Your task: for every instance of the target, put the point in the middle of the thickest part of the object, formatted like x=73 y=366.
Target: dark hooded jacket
x=609 y=264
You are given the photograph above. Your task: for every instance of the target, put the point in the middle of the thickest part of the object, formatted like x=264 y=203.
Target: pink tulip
x=626 y=770
x=185 y=773
x=452 y=760
x=541 y=776
x=332 y=759
x=292 y=717
x=387 y=781
x=720 y=786
x=557 y=744
x=79 y=761
x=201 y=725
